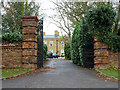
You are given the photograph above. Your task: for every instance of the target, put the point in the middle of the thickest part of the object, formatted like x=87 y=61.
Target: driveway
x=64 y=75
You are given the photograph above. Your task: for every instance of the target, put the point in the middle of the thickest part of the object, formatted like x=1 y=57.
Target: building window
x=51 y=43
x=62 y=52
x=62 y=43
x=51 y=51
x=45 y=42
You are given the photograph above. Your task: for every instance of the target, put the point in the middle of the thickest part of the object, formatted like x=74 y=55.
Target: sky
x=48 y=27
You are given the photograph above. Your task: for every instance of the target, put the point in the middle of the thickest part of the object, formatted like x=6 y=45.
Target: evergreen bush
x=45 y=48
x=82 y=45
x=12 y=37
x=100 y=21
x=67 y=51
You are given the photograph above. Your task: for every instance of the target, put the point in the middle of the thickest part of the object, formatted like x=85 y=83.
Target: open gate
x=88 y=50
x=40 y=44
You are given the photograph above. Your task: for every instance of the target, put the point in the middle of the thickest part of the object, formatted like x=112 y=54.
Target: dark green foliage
x=11 y=18
x=12 y=37
x=82 y=45
x=119 y=32
x=44 y=52
x=101 y=20
x=67 y=51
x=75 y=44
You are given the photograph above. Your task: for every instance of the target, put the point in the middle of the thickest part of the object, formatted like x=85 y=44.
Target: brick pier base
x=104 y=57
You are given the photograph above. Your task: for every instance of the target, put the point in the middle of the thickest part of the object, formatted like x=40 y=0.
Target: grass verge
x=111 y=72
x=8 y=72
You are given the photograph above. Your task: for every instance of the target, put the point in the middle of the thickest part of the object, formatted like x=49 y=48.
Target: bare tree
x=70 y=13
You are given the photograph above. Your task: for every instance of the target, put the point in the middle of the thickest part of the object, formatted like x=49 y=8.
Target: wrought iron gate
x=40 y=44
x=88 y=50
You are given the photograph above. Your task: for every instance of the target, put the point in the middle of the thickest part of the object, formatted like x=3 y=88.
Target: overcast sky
x=48 y=27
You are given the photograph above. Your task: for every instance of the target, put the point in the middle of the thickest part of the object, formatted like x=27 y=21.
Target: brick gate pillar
x=101 y=54
x=29 y=44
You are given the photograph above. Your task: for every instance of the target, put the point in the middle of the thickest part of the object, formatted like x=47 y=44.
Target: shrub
x=12 y=37
x=101 y=20
x=62 y=55
x=45 y=48
x=67 y=51
x=82 y=45
x=75 y=44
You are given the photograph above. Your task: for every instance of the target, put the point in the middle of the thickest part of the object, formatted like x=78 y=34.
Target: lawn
x=110 y=72
x=14 y=72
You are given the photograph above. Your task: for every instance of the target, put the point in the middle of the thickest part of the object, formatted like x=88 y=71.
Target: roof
x=50 y=36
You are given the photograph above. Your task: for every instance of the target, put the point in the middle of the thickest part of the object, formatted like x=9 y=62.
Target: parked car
x=55 y=55
x=49 y=55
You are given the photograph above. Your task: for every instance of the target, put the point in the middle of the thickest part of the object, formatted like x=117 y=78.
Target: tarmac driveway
x=64 y=75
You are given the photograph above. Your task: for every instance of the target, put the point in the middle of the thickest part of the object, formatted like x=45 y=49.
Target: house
x=54 y=43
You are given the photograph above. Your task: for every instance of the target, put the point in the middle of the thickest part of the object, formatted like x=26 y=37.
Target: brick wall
x=11 y=56
x=26 y=55
x=104 y=57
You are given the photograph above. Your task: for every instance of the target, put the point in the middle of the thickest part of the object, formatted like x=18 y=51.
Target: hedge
x=16 y=38
x=67 y=51
x=12 y=37
x=82 y=46
x=45 y=48
x=101 y=19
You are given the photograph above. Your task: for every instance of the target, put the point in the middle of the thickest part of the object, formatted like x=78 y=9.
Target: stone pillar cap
x=29 y=17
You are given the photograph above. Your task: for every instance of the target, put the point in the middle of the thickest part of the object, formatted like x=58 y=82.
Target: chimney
x=56 y=33
x=43 y=33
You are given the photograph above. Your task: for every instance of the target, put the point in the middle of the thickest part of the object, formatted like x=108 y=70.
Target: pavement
x=64 y=75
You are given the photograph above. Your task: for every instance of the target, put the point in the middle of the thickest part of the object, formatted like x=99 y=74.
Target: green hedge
x=119 y=31
x=82 y=45
x=67 y=51
x=16 y=38
x=101 y=20
x=12 y=37
x=45 y=48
